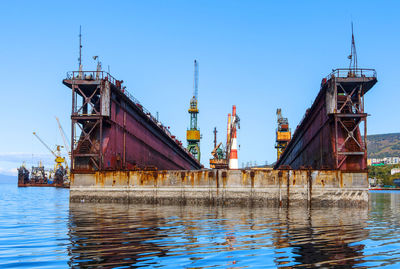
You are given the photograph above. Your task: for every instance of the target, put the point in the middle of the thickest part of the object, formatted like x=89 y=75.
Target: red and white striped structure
x=233 y=156
x=228 y=132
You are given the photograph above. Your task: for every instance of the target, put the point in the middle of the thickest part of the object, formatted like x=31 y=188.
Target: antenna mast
x=80 y=46
x=353 y=56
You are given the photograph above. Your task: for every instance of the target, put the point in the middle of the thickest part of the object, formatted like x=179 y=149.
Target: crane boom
x=196 y=80
x=64 y=137
x=44 y=144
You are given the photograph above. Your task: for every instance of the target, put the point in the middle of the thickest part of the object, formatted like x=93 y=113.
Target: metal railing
x=91 y=75
x=352 y=73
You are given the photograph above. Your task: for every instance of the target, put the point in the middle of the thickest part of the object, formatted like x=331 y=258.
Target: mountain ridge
x=383 y=145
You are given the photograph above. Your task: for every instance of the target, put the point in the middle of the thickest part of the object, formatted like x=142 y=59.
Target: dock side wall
x=224 y=187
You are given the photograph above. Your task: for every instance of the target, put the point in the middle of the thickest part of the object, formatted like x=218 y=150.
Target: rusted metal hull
x=26 y=182
x=332 y=134
x=43 y=185
x=112 y=131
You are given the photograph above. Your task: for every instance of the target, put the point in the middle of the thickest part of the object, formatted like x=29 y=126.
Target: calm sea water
x=39 y=228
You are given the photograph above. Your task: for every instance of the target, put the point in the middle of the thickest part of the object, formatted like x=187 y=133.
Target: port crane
x=193 y=134
x=67 y=145
x=219 y=160
x=227 y=158
x=218 y=151
x=56 y=153
x=283 y=134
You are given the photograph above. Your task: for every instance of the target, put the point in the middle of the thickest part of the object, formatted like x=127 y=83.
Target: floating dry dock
x=116 y=142
x=224 y=187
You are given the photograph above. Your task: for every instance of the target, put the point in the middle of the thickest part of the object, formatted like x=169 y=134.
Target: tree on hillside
x=382 y=173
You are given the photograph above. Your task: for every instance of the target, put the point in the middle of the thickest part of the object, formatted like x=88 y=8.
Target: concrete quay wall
x=224 y=187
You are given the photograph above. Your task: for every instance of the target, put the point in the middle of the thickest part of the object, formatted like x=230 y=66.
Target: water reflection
x=112 y=235
x=323 y=237
x=39 y=228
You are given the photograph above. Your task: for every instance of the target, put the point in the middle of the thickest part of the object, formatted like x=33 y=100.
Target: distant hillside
x=383 y=145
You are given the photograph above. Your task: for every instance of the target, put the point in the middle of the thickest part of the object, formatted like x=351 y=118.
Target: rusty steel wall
x=132 y=141
x=311 y=144
x=112 y=131
x=332 y=134
x=224 y=187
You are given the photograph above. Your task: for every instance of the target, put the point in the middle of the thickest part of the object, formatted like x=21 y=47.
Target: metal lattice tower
x=193 y=134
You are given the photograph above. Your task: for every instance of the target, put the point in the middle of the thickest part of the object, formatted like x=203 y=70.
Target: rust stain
x=288 y=188
x=183 y=176
x=340 y=179
x=162 y=175
x=101 y=180
x=279 y=185
x=125 y=178
x=155 y=177
x=199 y=176
x=309 y=182
x=244 y=177
x=196 y=178
x=279 y=178
x=252 y=174
x=294 y=178
x=192 y=178
x=224 y=179
x=217 y=180
x=142 y=178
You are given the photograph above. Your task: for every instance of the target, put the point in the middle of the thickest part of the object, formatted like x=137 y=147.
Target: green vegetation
x=383 y=145
x=382 y=173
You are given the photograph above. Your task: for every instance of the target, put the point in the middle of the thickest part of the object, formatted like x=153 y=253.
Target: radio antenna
x=80 y=46
x=353 y=54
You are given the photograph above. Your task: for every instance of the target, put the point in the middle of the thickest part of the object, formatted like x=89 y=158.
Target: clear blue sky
x=259 y=55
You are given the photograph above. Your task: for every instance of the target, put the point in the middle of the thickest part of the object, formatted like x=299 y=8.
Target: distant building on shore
x=386 y=160
x=395 y=171
x=373 y=182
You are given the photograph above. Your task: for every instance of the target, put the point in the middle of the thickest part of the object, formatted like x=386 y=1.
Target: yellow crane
x=56 y=153
x=283 y=134
x=67 y=145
